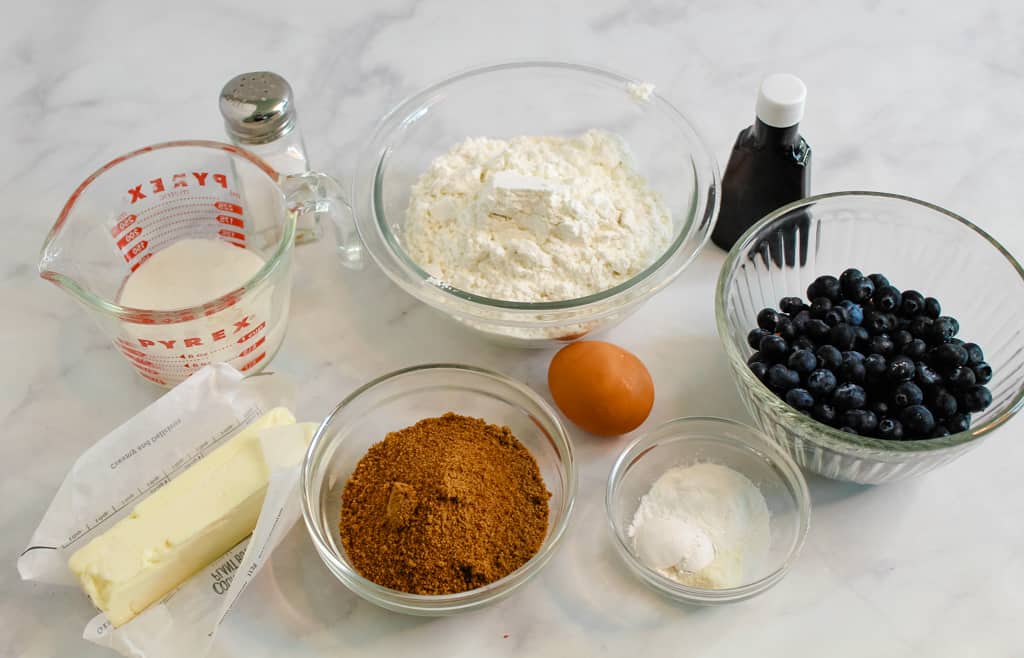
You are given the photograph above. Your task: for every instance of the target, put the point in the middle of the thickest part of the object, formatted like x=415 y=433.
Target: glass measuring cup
x=141 y=203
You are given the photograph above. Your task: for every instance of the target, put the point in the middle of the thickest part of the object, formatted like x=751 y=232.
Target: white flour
x=535 y=219
x=701 y=525
x=189 y=273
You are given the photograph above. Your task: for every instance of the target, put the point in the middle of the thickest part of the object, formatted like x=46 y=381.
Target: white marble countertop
x=904 y=97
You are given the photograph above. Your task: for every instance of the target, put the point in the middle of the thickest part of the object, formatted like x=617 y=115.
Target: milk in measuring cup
x=188 y=273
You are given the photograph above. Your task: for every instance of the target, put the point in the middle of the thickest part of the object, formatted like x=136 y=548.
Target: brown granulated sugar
x=446 y=505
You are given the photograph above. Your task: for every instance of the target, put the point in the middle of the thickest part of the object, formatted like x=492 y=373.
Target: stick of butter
x=180 y=528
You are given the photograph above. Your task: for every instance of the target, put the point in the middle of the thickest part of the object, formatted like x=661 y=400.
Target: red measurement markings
x=234 y=235
x=122 y=225
x=140 y=261
x=260 y=327
x=228 y=207
x=136 y=249
x=252 y=363
x=128 y=237
x=252 y=348
x=231 y=221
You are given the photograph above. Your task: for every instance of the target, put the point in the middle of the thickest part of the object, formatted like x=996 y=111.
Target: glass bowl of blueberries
x=873 y=336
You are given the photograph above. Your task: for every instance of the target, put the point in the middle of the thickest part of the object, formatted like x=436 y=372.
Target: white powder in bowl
x=535 y=219
x=701 y=525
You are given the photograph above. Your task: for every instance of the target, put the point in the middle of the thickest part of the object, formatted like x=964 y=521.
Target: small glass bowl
x=686 y=441
x=918 y=246
x=398 y=400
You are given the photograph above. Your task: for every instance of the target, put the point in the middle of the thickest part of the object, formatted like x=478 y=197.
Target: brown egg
x=601 y=387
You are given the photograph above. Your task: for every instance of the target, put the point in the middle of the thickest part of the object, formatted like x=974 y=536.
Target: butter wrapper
x=143 y=454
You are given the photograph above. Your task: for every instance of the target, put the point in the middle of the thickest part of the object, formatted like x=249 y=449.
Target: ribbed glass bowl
x=533 y=98
x=401 y=399
x=917 y=246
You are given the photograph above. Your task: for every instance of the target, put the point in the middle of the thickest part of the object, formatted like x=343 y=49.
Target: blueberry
x=800 y=321
x=825 y=286
x=767 y=319
x=842 y=336
x=876 y=322
x=755 y=336
x=960 y=422
x=948 y=356
x=890 y=429
x=824 y=413
x=854 y=312
x=849 y=396
x=803 y=343
x=879 y=280
x=861 y=338
x=818 y=330
x=802 y=361
x=918 y=421
x=799 y=399
x=792 y=305
x=862 y=420
x=901 y=338
x=829 y=357
x=848 y=429
x=942 y=330
x=835 y=315
x=982 y=373
x=851 y=371
x=759 y=369
x=974 y=354
x=820 y=306
x=875 y=365
x=915 y=349
x=774 y=348
x=785 y=327
x=851 y=282
x=907 y=394
x=939 y=432
x=961 y=377
x=882 y=344
x=912 y=304
x=849 y=275
x=860 y=290
x=780 y=379
x=925 y=377
x=821 y=382
x=921 y=327
x=943 y=403
x=976 y=398
x=879 y=407
x=932 y=308
x=901 y=369
x=756 y=357
x=887 y=299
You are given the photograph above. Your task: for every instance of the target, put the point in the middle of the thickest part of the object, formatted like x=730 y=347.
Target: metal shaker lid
x=258 y=107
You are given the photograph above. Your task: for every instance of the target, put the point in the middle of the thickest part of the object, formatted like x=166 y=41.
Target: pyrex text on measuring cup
x=198 y=302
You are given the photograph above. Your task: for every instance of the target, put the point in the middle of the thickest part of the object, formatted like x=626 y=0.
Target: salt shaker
x=259 y=115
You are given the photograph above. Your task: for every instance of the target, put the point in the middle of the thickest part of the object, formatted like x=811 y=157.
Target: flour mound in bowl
x=535 y=219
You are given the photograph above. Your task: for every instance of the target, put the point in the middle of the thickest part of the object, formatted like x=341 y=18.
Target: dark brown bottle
x=770 y=166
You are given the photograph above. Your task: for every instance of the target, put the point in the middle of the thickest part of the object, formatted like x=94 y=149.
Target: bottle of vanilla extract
x=770 y=166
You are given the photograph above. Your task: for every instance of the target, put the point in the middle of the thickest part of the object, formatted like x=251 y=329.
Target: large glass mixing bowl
x=535 y=98
x=917 y=246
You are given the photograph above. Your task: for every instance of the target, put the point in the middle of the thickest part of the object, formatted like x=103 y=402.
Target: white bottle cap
x=780 y=101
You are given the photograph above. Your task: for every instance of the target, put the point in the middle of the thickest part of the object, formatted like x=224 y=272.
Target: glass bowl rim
x=826 y=436
x=373 y=155
x=789 y=472
x=439 y=602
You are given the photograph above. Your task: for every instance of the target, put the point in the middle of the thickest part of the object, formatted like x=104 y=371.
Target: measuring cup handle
x=321 y=195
